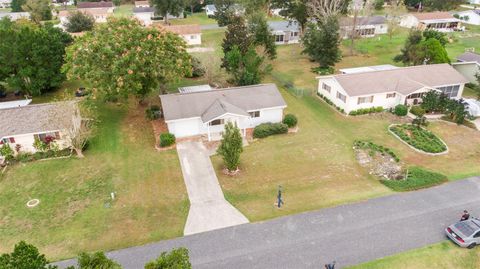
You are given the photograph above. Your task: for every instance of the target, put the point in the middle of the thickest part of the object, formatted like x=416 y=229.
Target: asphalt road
x=349 y=234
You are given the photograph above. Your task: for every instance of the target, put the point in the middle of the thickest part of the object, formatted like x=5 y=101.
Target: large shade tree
x=40 y=10
x=169 y=7
x=122 y=58
x=32 y=56
x=25 y=256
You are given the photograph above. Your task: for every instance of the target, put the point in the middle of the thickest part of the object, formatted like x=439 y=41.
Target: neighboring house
x=191 y=33
x=388 y=88
x=90 y=5
x=364 y=27
x=15 y=15
x=469 y=16
x=440 y=21
x=99 y=14
x=364 y=69
x=205 y=113
x=477 y=2
x=285 y=32
x=210 y=10
x=468 y=65
x=20 y=126
x=5 y=3
x=198 y=88
x=144 y=14
x=142 y=4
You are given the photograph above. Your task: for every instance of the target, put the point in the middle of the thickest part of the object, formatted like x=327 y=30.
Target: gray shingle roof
x=403 y=80
x=211 y=104
x=469 y=57
x=373 y=20
x=284 y=26
x=94 y=4
x=143 y=9
x=36 y=118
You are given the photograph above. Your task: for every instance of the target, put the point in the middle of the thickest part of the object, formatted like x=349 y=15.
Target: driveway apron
x=208 y=208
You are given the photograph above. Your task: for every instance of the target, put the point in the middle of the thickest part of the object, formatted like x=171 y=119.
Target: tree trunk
x=352 y=45
x=191 y=9
x=79 y=153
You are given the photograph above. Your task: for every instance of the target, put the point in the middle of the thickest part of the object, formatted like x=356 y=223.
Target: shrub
x=79 y=22
x=290 y=120
x=363 y=111
x=231 y=146
x=400 y=110
x=197 y=68
x=375 y=148
x=153 y=112
x=267 y=129
x=177 y=258
x=6 y=151
x=417 y=111
x=167 y=139
x=419 y=138
x=417 y=178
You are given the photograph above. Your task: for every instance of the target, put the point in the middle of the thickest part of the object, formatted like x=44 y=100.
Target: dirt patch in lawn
x=380 y=165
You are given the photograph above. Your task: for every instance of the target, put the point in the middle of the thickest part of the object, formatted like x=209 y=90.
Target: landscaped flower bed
x=419 y=138
x=417 y=178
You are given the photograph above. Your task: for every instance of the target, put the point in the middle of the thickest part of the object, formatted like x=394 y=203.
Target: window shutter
x=12 y=140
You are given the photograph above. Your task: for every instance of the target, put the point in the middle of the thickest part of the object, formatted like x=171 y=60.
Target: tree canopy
x=225 y=11
x=294 y=10
x=169 y=7
x=322 y=41
x=24 y=256
x=246 y=68
x=40 y=10
x=32 y=56
x=16 y=5
x=96 y=260
x=261 y=34
x=177 y=258
x=435 y=4
x=123 y=58
x=426 y=48
x=79 y=22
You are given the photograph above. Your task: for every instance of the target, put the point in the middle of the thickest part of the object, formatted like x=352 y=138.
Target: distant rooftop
x=469 y=57
x=16 y=103
x=372 y=20
x=434 y=16
x=94 y=4
x=143 y=9
x=284 y=26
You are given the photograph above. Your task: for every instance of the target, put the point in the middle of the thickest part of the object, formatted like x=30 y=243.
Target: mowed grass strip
x=445 y=255
x=76 y=213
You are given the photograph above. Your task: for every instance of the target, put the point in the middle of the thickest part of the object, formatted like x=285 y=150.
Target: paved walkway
x=208 y=208
x=349 y=234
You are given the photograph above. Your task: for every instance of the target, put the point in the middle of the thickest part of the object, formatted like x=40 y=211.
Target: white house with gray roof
x=285 y=32
x=388 y=88
x=20 y=126
x=468 y=64
x=364 y=26
x=205 y=113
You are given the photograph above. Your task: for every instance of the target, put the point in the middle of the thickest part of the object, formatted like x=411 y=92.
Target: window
x=8 y=140
x=192 y=37
x=326 y=87
x=477 y=235
x=450 y=91
x=391 y=95
x=362 y=100
x=254 y=114
x=216 y=122
x=342 y=97
x=278 y=38
x=415 y=95
x=47 y=137
x=293 y=34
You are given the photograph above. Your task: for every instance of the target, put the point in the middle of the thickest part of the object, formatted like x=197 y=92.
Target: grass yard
x=76 y=214
x=316 y=166
x=445 y=255
x=196 y=18
x=123 y=11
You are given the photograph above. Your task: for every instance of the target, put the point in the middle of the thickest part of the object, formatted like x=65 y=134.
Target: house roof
x=372 y=20
x=16 y=103
x=469 y=57
x=143 y=9
x=284 y=26
x=102 y=4
x=36 y=118
x=93 y=12
x=431 y=16
x=188 y=29
x=404 y=80
x=367 y=68
x=211 y=104
x=212 y=8
x=198 y=88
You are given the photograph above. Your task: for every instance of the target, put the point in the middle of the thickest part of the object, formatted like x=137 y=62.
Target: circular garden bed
x=419 y=138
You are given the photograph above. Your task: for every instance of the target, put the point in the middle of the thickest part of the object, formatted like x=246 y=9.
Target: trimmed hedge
x=166 y=139
x=330 y=102
x=153 y=112
x=290 y=120
x=400 y=110
x=417 y=111
x=419 y=138
x=268 y=129
x=417 y=178
x=363 y=111
x=376 y=148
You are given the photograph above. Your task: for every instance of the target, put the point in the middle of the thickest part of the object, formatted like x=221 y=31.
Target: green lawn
x=445 y=255
x=196 y=18
x=124 y=11
x=76 y=214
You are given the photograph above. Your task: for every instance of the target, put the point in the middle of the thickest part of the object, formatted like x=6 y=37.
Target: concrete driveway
x=349 y=234
x=208 y=208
